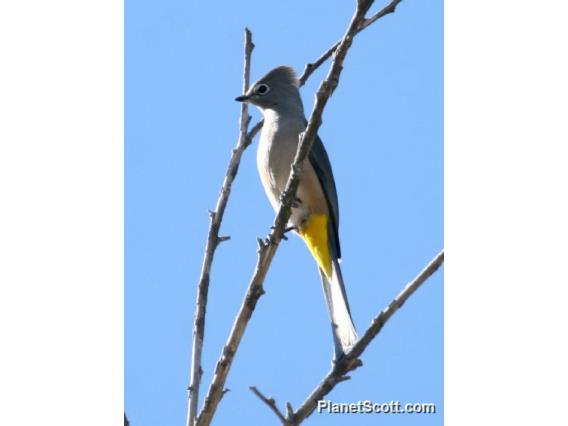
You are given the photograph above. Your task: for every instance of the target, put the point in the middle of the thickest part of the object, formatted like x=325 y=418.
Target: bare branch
x=270 y=402
x=311 y=67
x=213 y=240
x=289 y=409
x=256 y=128
x=268 y=249
x=389 y=8
x=350 y=360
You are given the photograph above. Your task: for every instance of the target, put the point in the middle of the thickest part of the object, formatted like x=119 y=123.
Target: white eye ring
x=262 y=89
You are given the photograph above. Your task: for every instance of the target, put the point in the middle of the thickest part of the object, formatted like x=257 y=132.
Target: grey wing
x=320 y=162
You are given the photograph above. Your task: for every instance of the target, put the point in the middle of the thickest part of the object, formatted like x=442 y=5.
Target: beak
x=242 y=98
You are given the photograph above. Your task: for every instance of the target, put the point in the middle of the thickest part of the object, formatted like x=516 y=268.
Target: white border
x=506 y=197
x=61 y=214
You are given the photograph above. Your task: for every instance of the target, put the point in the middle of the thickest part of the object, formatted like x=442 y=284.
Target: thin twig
x=213 y=241
x=270 y=402
x=289 y=409
x=252 y=133
x=350 y=361
x=268 y=249
x=311 y=67
x=389 y=8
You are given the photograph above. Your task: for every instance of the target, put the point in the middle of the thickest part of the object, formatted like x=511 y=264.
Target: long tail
x=315 y=233
x=344 y=334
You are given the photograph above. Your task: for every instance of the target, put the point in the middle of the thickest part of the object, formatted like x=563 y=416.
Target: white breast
x=275 y=154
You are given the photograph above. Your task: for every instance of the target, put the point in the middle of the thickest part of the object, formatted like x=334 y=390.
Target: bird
x=315 y=211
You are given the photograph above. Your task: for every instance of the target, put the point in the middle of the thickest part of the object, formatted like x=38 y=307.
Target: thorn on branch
x=269 y=240
x=248 y=35
x=353 y=365
x=212 y=214
x=223 y=238
x=290 y=417
x=270 y=402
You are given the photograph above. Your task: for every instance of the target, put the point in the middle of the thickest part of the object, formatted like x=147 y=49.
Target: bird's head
x=277 y=89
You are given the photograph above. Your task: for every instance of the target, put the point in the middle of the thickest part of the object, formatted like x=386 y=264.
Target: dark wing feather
x=320 y=162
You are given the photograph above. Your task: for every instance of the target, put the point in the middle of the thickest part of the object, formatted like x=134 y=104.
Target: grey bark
x=213 y=240
x=268 y=247
x=351 y=361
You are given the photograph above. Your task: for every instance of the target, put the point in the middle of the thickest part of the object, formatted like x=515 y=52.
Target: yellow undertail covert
x=314 y=233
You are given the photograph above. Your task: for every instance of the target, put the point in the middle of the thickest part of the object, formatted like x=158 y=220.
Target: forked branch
x=213 y=240
x=268 y=248
x=350 y=361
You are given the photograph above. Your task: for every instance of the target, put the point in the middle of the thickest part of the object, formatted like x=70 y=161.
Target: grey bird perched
x=315 y=215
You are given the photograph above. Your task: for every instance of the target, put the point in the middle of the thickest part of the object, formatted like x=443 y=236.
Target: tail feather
x=344 y=333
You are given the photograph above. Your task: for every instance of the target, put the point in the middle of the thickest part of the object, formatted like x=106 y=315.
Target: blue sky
x=383 y=130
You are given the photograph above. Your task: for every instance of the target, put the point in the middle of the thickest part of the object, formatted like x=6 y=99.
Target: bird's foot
x=286 y=230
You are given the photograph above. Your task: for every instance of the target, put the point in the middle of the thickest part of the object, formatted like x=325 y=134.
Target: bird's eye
x=262 y=89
